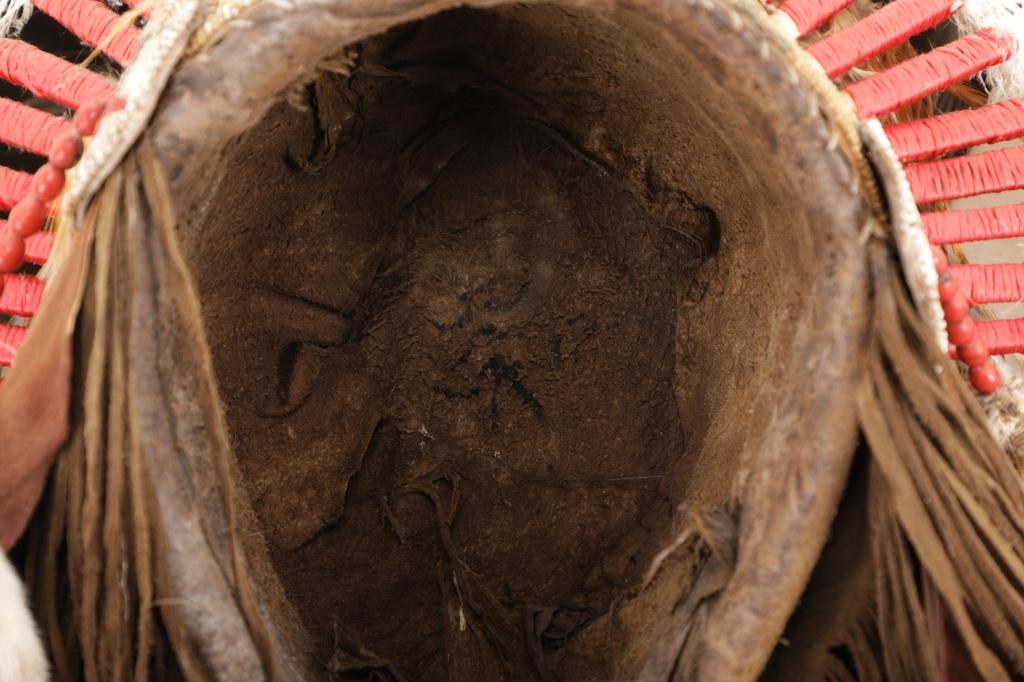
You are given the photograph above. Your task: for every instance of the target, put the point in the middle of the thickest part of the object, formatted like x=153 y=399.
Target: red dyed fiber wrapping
x=1002 y=336
x=811 y=14
x=974 y=225
x=885 y=28
x=37 y=246
x=50 y=77
x=92 y=22
x=990 y=283
x=966 y=176
x=13 y=186
x=11 y=338
x=931 y=137
x=928 y=73
x=23 y=127
x=21 y=295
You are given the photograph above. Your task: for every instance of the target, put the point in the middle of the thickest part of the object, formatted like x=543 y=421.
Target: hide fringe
x=120 y=595
x=146 y=560
x=943 y=528
x=946 y=509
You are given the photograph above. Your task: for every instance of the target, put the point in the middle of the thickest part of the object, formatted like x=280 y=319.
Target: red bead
x=961 y=332
x=985 y=378
x=48 y=183
x=974 y=353
x=12 y=251
x=941 y=262
x=66 y=150
x=88 y=117
x=947 y=287
x=27 y=217
x=956 y=307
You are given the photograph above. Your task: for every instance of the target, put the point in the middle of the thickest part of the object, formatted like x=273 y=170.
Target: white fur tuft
x=22 y=658
x=14 y=14
x=1004 y=81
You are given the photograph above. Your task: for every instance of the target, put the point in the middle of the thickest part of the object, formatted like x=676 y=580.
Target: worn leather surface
x=794 y=467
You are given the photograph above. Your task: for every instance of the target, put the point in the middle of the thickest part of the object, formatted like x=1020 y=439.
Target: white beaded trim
x=784 y=24
x=163 y=42
x=912 y=243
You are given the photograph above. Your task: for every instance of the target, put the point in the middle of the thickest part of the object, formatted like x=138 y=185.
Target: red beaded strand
x=66 y=150
x=28 y=216
x=88 y=117
x=962 y=331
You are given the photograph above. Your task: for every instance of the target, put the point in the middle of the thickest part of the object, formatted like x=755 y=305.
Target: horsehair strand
x=125 y=22
x=930 y=73
x=94 y=23
x=1004 y=81
x=929 y=441
x=889 y=26
x=14 y=14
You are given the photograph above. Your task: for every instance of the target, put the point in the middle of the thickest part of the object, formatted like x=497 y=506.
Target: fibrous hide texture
x=462 y=332
x=466 y=385
x=504 y=344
